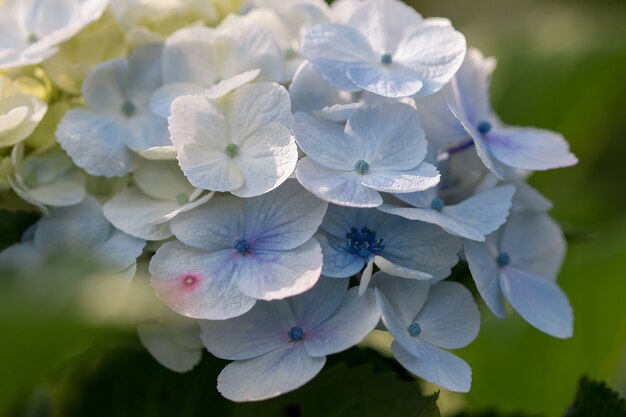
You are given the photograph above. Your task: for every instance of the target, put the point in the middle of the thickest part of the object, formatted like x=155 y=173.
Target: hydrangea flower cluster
x=308 y=173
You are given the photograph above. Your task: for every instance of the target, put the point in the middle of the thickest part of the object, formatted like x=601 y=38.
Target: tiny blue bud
x=361 y=166
x=242 y=246
x=437 y=204
x=231 y=150
x=128 y=108
x=386 y=59
x=295 y=333
x=503 y=259
x=484 y=127
x=415 y=329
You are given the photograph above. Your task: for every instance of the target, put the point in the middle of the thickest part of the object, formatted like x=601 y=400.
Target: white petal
x=281 y=371
x=540 y=301
x=196 y=283
x=159 y=153
x=309 y=91
x=387 y=81
x=529 y=148
x=159 y=342
x=450 y=318
x=95 y=143
x=162 y=98
x=484 y=269
x=188 y=58
x=226 y=86
x=162 y=180
x=437 y=366
x=283 y=219
x=271 y=275
x=421 y=178
x=61 y=192
x=259 y=331
x=338 y=187
x=333 y=49
x=356 y=317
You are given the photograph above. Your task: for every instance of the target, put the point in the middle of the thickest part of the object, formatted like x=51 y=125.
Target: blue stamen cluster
x=364 y=242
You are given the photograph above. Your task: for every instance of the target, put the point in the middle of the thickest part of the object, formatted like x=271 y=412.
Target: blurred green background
x=562 y=66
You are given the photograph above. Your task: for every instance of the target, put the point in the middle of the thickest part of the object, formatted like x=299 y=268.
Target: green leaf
x=596 y=399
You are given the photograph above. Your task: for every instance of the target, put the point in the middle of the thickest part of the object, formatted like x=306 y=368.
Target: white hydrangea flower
x=160 y=192
x=20 y=113
x=196 y=58
x=232 y=252
x=47 y=178
x=31 y=29
x=381 y=148
x=104 y=138
x=387 y=48
x=285 y=343
x=521 y=262
x=424 y=319
x=471 y=122
x=472 y=218
x=240 y=143
x=82 y=230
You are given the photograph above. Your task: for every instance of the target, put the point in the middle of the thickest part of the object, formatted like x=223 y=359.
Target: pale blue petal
x=338 y=262
x=356 y=317
x=144 y=73
x=396 y=325
x=196 y=283
x=333 y=49
x=406 y=296
x=319 y=303
x=527 y=198
x=146 y=130
x=162 y=98
x=529 y=148
x=21 y=256
x=534 y=242
x=472 y=85
x=119 y=252
x=269 y=375
x=325 y=142
x=393 y=81
x=271 y=275
x=104 y=89
x=421 y=178
x=437 y=366
x=482 y=263
x=387 y=137
x=540 y=301
x=283 y=219
x=438 y=122
x=212 y=227
x=259 y=331
x=95 y=143
x=309 y=91
x=339 y=187
x=158 y=340
x=450 y=318
x=188 y=57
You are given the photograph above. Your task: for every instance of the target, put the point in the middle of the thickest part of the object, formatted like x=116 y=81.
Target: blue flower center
x=437 y=204
x=128 y=108
x=364 y=242
x=295 y=333
x=361 y=166
x=484 y=127
x=242 y=246
x=386 y=59
x=503 y=259
x=415 y=329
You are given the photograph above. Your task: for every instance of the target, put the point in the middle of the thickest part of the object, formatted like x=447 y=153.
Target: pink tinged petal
x=283 y=219
x=266 y=159
x=356 y=317
x=421 y=178
x=436 y=365
x=271 y=275
x=319 y=303
x=434 y=51
x=334 y=49
x=539 y=300
x=339 y=187
x=484 y=269
x=281 y=371
x=259 y=331
x=530 y=148
x=387 y=137
x=388 y=81
x=95 y=143
x=535 y=243
x=198 y=284
x=450 y=318
x=164 y=348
